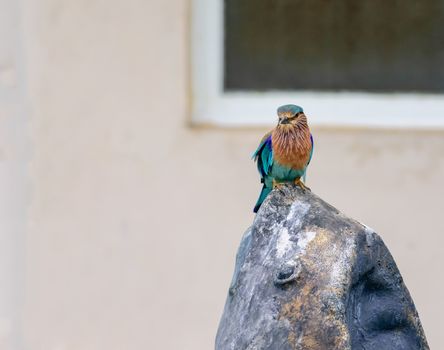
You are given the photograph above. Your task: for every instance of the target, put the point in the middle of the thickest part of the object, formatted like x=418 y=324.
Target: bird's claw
x=299 y=183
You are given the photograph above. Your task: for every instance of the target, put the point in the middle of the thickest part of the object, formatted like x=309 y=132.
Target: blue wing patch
x=264 y=156
x=304 y=177
x=312 y=148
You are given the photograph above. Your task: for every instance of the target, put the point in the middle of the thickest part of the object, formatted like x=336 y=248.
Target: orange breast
x=292 y=147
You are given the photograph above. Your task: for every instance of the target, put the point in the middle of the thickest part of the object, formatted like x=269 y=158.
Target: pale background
x=119 y=222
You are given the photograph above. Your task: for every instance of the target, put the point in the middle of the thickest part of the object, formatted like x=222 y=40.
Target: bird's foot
x=277 y=184
x=299 y=183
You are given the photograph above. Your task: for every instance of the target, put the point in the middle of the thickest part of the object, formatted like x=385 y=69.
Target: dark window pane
x=372 y=45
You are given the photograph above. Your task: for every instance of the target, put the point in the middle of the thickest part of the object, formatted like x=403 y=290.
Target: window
x=370 y=62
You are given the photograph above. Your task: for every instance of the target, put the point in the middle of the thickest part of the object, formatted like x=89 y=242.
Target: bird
x=285 y=152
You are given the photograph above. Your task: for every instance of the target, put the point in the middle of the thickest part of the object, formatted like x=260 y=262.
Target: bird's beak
x=284 y=121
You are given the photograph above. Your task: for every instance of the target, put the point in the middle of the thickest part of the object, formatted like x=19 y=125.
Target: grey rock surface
x=308 y=277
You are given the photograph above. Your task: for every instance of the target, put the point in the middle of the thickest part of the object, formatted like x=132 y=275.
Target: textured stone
x=308 y=277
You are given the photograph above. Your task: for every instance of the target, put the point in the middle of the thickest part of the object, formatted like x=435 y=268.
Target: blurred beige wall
x=133 y=218
x=14 y=189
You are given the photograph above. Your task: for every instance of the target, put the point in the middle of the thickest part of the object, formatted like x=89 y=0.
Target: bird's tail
x=264 y=193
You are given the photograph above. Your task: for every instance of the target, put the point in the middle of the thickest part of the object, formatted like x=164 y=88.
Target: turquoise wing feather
x=264 y=156
x=264 y=160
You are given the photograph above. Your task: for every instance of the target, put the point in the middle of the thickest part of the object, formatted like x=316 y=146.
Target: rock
x=308 y=277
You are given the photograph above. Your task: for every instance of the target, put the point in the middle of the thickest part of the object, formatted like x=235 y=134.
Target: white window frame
x=212 y=105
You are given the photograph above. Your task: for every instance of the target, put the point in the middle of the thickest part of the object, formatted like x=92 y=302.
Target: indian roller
x=285 y=152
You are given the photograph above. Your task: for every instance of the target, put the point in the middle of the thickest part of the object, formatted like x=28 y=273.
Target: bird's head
x=289 y=115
